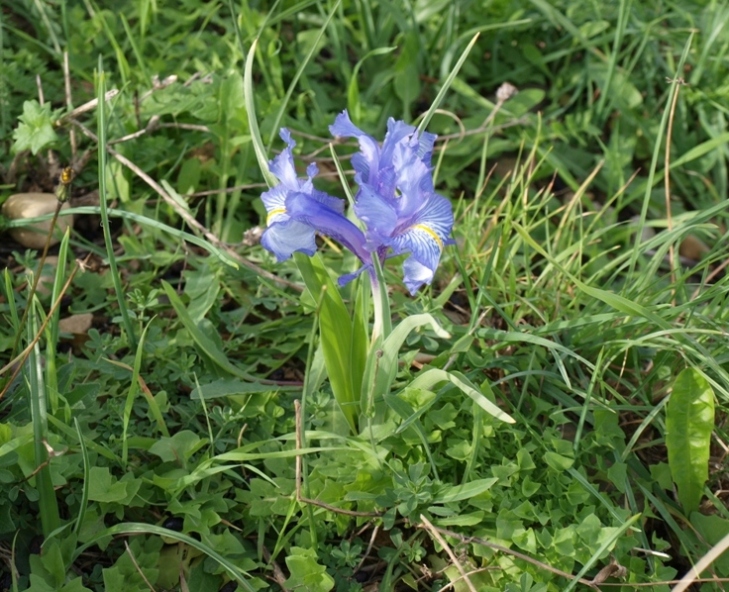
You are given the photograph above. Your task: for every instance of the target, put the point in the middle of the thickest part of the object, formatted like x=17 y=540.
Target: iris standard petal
x=283 y=238
x=398 y=134
x=367 y=161
x=282 y=166
x=378 y=214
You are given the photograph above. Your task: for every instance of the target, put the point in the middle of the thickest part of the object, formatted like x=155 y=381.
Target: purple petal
x=415 y=274
x=424 y=238
x=348 y=277
x=398 y=134
x=366 y=162
x=435 y=218
x=275 y=202
x=282 y=166
x=283 y=238
x=377 y=213
x=333 y=223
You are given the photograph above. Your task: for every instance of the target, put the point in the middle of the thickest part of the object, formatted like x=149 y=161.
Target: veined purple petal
x=367 y=161
x=315 y=214
x=424 y=237
x=283 y=164
x=285 y=233
x=398 y=134
x=435 y=218
x=275 y=202
x=378 y=214
x=419 y=267
x=285 y=237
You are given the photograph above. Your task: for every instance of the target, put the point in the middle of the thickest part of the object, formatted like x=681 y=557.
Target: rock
x=31 y=205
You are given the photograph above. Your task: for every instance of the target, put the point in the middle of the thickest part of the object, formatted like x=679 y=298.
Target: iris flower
x=395 y=199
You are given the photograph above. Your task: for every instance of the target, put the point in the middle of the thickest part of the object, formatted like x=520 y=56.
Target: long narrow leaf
x=689 y=424
x=335 y=329
x=431 y=377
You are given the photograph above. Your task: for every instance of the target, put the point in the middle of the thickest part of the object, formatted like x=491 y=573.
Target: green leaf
x=458 y=493
x=225 y=387
x=427 y=379
x=689 y=424
x=336 y=335
x=35 y=130
x=207 y=345
x=177 y=448
x=306 y=573
x=136 y=528
x=381 y=368
x=104 y=488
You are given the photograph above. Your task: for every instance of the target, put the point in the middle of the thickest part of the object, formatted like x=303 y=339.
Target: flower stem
x=383 y=323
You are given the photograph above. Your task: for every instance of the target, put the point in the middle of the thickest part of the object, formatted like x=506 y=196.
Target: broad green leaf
x=689 y=424
x=336 y=334
x=178 y=448
x=35 y=130
x=306 y=572
x=136 y=528
x=105 y=488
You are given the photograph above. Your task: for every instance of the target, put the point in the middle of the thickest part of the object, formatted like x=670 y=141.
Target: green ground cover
x=172 y=413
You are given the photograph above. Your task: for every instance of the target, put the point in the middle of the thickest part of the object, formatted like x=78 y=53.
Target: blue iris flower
x=297 y=210
x=396 y=201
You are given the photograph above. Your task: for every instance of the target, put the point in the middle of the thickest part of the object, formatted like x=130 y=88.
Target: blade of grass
x=85 y=486
x=661 y=133
x=446 y=85
x=101 y=121
x=132 y=393
x=47 y=502
x=297 y=75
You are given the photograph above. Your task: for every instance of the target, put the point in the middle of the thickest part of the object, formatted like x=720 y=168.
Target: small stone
x=32 y=205
x=78 y=324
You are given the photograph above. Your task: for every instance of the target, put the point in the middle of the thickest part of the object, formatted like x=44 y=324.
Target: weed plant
x=189 y=437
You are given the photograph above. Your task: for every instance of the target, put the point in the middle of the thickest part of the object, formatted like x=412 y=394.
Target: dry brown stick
x=367 y=552
x=136 y=565
x=710 y=277
x=87 y=106
x=452 y=583
x=69 y=102
x=667 y=179
x=278 y=574
x=185 y=215
x=437 y=536
x=229 y=189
